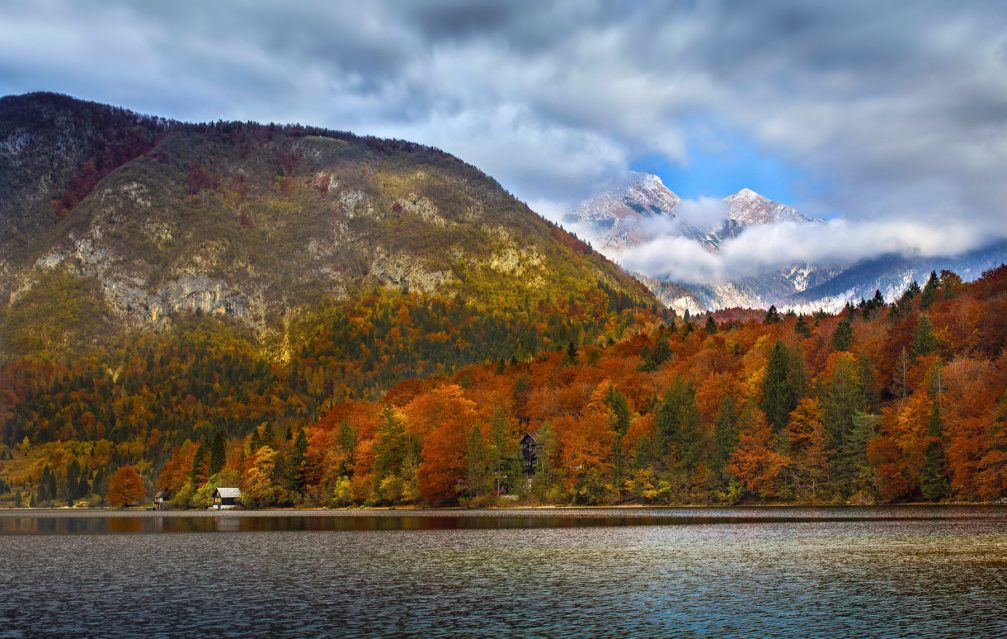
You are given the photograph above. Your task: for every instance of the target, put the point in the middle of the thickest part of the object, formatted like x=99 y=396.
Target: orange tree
x=125 y=488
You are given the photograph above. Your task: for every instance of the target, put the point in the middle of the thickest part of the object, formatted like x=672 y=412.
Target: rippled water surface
x=863 y=572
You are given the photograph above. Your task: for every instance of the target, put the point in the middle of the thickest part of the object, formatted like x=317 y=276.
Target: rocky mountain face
x=113 y=221
x=619 y=218
x=625 y=218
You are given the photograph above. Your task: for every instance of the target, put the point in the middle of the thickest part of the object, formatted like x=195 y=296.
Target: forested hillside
x=113 y=223
x=887 y=401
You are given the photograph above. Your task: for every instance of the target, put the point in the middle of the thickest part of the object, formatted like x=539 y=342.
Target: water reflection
x=63 y=522
x=874 y=572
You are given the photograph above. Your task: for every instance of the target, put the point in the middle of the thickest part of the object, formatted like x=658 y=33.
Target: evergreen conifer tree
x=933 y=475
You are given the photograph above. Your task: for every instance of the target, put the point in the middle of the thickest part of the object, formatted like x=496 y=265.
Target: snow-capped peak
x=748 y=207
x=615 y=217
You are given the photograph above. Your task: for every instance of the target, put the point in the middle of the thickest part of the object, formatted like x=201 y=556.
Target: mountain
x=891 y=274
x=617 y=218
x=635 y=214
x=630 y=216
x=112 y=222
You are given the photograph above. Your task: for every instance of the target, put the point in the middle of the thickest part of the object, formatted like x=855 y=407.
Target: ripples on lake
x=701 y=572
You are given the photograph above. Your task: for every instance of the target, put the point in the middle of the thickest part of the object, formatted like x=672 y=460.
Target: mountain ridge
x=258 y=222
x=804 y=287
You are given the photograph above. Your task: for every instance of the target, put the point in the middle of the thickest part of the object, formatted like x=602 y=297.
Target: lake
x=697 y=572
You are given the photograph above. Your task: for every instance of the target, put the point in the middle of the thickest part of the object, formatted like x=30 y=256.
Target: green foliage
x=218 y=454
x=842 y=400
x=479 y=460
x=293 y=466
x=801 y=327
x=842 y=339
x=725 y=437
x=924 y=341
x=653 y=356
x=676 y=422
x=59 y=316
x=784 y=384
x=391 y=445
x=929 y=294
x=933 y=475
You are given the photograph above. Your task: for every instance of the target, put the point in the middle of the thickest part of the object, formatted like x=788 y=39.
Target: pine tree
x=772 y=315
x=619 y=418
x=933 y=475
x=711 y=326
x=929 y=294
x=478 y=478
x=218 y=454
x=843 y=337
x=924 y=341
x=547 y=476
x=801 y=327
x=200 y=471
x=294 y=466
x=571 y=354
x=852 y=469
x=676 y=422
x=725 y=436
x=780 y=387
x=390 y=446
x=841 y=399
x=506 y=463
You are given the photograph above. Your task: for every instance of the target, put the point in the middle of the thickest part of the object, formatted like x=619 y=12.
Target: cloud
x=703 y=212
x=835 y=242
x=901 y=107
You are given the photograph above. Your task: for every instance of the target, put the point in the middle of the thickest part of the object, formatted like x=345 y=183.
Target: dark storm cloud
x=900 y=107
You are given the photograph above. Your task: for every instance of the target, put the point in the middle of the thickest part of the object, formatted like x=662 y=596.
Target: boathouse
x=225 y=498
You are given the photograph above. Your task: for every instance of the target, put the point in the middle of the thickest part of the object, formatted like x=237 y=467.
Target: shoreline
x=631 y=511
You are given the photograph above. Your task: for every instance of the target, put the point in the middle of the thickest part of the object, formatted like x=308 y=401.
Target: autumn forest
x=898 y=400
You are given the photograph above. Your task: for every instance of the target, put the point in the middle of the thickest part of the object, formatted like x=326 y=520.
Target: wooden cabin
x=531 y=447
x=225 y=498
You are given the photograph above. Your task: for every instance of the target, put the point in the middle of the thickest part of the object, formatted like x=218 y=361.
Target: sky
x=873 y=115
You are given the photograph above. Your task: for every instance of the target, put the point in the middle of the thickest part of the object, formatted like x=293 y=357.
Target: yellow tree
x=754 y=462
x=804 y=435
x=260 y=487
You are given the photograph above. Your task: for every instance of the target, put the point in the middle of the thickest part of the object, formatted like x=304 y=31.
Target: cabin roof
x=228 y=492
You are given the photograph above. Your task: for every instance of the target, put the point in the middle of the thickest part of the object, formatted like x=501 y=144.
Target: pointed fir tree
x=619 y=417
x=200 y=470
x=711 y=325
x=779 y=388
x=772 y=315
x=842 y=339
x=478 y=477
x=295 y=463
x=929 y=294
x=924 y=341
x=218 y=453
x=571 y=355
x=933 y=475
x=725 y=437
x=801 y=327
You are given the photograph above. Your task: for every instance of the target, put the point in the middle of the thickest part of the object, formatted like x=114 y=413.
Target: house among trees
x=531 y=447
x=225 y=498
x=161 y=500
